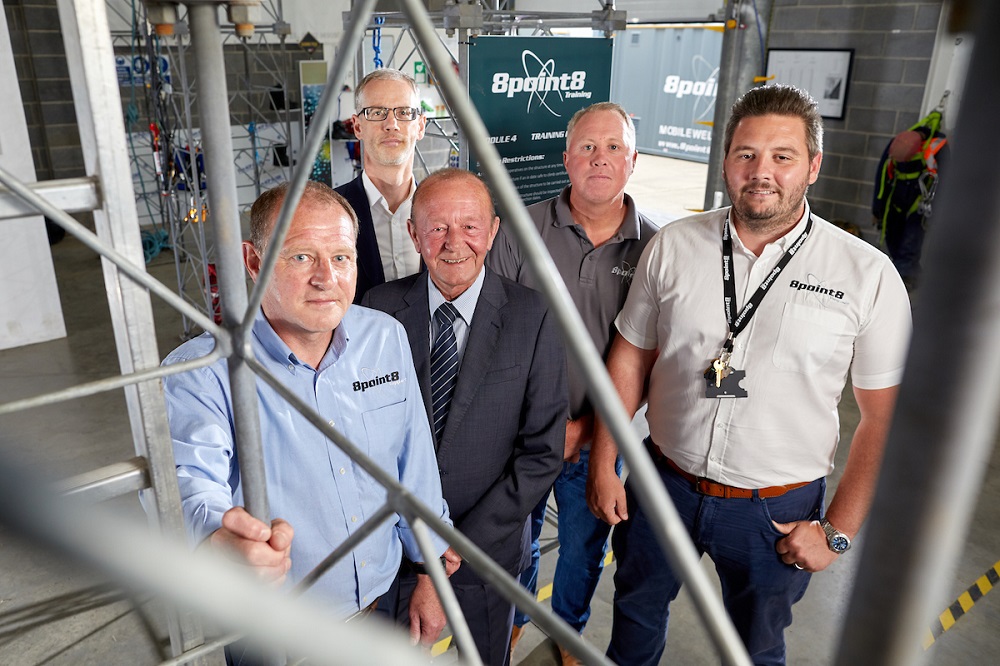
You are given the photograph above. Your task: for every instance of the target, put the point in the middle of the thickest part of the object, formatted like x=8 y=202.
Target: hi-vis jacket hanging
x=907 y=176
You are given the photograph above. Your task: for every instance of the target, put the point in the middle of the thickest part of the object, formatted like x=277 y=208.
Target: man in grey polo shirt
x=595 y=236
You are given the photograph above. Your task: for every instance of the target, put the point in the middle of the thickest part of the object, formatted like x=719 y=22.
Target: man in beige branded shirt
x=744 y=323
x=389 y=122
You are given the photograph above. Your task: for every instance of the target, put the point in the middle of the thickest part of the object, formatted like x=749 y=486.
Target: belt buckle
x=704 y=486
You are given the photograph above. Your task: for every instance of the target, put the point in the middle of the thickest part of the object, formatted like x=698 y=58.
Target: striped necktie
x=444 y=366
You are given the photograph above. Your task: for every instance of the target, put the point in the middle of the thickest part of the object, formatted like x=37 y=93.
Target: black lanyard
x=737 y=322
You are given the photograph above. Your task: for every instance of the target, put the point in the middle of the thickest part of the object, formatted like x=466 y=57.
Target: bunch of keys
x=720 y=368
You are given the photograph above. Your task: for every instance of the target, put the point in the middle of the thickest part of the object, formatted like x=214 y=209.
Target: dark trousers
x=758 y=589
x=489 y=616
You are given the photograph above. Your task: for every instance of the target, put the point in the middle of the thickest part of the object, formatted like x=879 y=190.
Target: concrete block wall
x=40 y=60
x=893 y=41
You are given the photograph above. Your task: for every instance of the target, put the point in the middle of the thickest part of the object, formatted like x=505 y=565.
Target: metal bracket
x=609 y=20
x=463 y=17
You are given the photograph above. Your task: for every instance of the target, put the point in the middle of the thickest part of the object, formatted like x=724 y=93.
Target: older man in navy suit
x=491 y=368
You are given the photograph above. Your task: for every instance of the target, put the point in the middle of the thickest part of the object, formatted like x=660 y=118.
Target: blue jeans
x=758 y=589
x=583 y=541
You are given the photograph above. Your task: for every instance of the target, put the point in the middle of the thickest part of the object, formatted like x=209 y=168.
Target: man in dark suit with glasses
x=389 y=122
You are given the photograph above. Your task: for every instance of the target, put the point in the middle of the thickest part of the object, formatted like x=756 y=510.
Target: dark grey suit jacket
x=370 y=272
x=502 y=445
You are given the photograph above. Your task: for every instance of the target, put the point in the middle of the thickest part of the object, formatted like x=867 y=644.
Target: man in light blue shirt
x=354 y=367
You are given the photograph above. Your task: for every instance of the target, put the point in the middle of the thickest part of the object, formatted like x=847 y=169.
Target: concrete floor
x=52 y=611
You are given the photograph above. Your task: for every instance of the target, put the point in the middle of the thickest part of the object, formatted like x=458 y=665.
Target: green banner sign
x=526 y=89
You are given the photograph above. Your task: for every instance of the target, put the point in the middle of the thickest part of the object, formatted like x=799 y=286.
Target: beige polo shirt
x=839 y=306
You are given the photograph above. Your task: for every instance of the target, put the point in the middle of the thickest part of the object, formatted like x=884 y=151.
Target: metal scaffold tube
x=213 y=105
x=945 y=422
x=670 y=530
x=459 y=627
x=740 y=63
x=97 y=102
x=203 y=580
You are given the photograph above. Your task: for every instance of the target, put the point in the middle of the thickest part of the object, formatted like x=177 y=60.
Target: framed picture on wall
x=824 y=73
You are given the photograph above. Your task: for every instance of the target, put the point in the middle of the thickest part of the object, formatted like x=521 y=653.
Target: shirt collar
x=465 y=303
x=375 y=197
x=629 y=229
x=786 y=241
x=275 y=347
x=338 y=344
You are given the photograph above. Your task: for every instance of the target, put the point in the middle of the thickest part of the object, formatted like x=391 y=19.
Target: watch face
x=839 y=543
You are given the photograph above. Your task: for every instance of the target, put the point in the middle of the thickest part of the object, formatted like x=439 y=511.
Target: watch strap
x=836 y=540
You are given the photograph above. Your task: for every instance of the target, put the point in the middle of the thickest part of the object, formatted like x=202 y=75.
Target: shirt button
x=364 y=599
x=291 y=367
x=363 y=564
x=331 y=423
x=354 y=519
x=343 y=471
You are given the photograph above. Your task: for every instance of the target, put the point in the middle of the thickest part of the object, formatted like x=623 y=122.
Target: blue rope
x=377 y=41
x=153 y=242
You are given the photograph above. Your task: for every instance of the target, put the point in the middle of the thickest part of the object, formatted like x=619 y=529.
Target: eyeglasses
x=381 y=113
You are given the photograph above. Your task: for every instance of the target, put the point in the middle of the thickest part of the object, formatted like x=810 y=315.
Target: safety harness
x=907 y=187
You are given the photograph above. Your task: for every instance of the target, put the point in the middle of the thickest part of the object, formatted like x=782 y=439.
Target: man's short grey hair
x=782 y=100
x=458 y=178
x=264 y=212
x=603 y=106
x=383 y=74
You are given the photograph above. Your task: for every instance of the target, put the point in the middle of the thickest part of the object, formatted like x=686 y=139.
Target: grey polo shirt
x=598 y=278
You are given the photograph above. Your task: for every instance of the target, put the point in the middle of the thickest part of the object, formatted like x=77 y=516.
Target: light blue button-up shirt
x=367 y=389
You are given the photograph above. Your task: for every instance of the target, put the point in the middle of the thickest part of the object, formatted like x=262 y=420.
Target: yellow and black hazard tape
x=963 y=604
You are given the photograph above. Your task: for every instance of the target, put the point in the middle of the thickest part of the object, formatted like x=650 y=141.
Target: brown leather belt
x=715 y=489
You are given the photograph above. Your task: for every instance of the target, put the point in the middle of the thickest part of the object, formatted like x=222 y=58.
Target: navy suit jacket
x=502 y=446
x=370 y=272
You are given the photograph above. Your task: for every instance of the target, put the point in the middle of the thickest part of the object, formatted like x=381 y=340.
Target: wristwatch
x=419 y=568
x=835 y=539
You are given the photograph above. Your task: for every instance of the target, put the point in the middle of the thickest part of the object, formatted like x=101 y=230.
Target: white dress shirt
x=395 y=247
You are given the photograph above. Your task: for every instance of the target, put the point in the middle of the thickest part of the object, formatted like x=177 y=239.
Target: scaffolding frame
x=175 y=161
x=134 y=325
x=950 y=364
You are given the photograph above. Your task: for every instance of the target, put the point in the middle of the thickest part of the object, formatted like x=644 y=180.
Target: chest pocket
x=807 y=337
x=502 y=375
x=385 y=428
